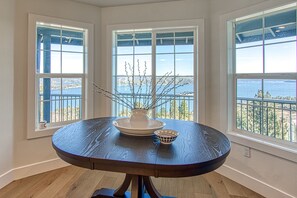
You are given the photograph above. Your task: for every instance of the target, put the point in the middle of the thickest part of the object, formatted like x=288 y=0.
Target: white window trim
x=195 y=23
x=32 y=132
x=279 y=148
x=154 y=53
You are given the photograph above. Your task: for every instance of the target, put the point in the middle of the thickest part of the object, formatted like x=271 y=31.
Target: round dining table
x=97 y=144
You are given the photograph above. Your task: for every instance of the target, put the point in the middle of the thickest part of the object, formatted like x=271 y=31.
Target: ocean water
x=276 y=88
x=247 y=88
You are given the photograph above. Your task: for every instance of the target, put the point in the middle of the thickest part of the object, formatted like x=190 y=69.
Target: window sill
x=40 y=133
x=285 y=151
x=48 y=131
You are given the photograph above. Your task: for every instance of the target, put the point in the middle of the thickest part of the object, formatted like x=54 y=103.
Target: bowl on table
x=166 y=136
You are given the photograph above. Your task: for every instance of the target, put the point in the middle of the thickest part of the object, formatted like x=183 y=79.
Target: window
x=157 y=53
x=60 y=72
x=265 y=74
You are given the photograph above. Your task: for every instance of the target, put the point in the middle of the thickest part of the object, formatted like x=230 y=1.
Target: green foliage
x=175 y=111
x=184 y=110
x=267 y=118
x=162 y=113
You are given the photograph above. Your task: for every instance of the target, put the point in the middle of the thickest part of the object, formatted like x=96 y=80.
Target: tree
x=162 y=113
x=173 y=111
x=260 y=116
x=183 y=110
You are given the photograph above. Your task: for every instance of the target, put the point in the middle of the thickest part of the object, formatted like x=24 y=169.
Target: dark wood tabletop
x=97 y=144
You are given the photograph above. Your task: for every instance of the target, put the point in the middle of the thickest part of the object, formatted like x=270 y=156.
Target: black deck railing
x=63 y=108
x=270 y=117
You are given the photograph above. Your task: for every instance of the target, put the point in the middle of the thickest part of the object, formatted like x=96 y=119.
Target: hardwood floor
x=77 y=182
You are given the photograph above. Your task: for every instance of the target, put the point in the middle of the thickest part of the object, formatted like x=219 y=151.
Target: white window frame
x=197 y=24
x=87 y=76
x=283 y=149
x=154 y=66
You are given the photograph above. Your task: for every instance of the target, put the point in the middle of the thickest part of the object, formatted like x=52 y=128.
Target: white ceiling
x=106 y=3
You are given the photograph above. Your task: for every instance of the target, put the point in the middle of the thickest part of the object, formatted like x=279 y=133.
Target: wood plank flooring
x=75 y=182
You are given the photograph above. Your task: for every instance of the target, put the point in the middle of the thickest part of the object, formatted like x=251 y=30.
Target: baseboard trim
x=252 y=183
x=6 y=178
x=31 y=169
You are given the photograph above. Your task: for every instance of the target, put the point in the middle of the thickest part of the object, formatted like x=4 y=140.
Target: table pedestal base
x=139 y=185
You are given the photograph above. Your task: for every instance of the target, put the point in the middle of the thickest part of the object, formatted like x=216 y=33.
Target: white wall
x=37 y=150
x=6 y=87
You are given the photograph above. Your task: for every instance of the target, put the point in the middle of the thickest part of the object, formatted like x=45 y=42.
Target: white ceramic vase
x=139 y=118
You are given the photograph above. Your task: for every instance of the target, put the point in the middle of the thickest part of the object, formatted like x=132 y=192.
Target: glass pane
x=124 y=43
x=184 y=42
x=124 y=36
x=164 y=64
x=162 y=48
x=125 y=49
x=48 y=38
x=123 y=85
x=280 y=58
x=143 y=47
x=184 y=34
x=249 y=60
x=165 y=35
x=48 y=62
x=281 y=33
x=249 y=33
x=280 y=89
x=72 y=63
x=124 y=65
x=165 y=85
x=280 y=48
x=71 y=98
x=280 y=40
x=187 y=47
x=280 y=25
x=249 y=88
x=55 y=38
x=280 y=109
x=184 y=64
x=165 y=43
x=143 y=65
x=48 y=55
x=72 y=41
x=248 y=108
x=143 y=35
x=184 y=85
x=143 y=43
x=49 y=97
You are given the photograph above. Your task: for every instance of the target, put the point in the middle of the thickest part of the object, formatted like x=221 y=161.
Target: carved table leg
x=120 y=192
x=139 y=184
x=150 y=188
x=137 y=190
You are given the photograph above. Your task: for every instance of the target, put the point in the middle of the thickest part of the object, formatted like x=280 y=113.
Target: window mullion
x=154 y=65
x=233 y=63
x=61 y=82
x=264 y=72
x=290 y=76
x=174 y=76
x=115 y=71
